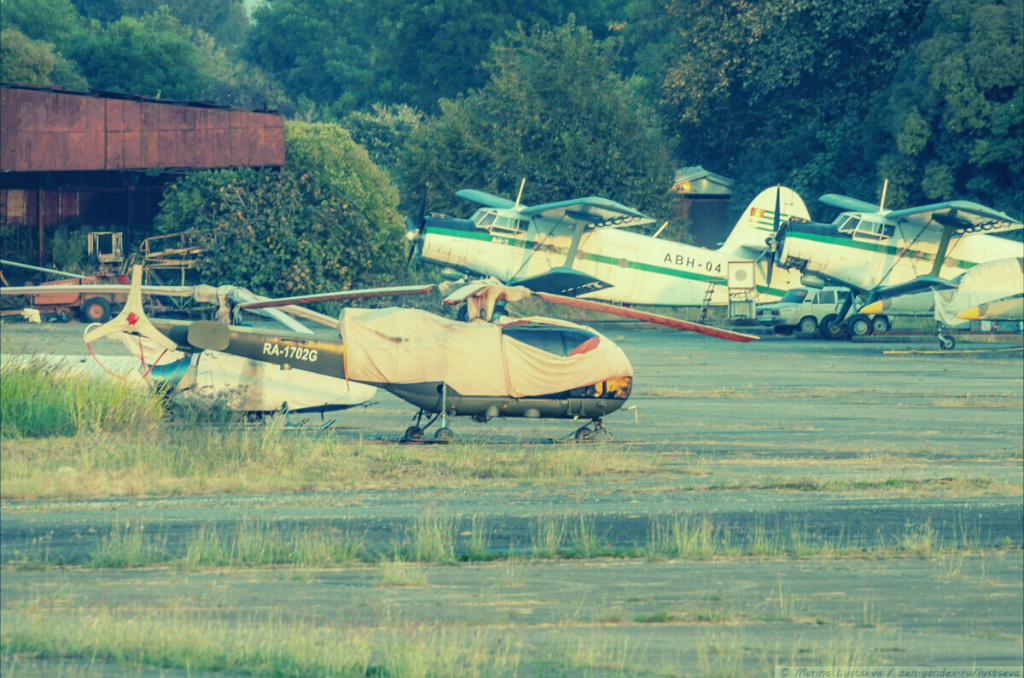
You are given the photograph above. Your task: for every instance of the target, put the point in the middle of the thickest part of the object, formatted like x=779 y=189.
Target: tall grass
x=37 y=400
x=256 y=648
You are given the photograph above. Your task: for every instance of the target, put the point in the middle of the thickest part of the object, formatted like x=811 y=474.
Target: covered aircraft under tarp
x=993 y=282
x=408 y=346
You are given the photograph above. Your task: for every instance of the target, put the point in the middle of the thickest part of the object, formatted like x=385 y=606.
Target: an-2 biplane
x=532 y=368
x=586 y=247
x=880 y=253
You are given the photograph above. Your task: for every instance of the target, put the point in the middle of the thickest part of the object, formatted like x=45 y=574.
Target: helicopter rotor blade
x=339 y=296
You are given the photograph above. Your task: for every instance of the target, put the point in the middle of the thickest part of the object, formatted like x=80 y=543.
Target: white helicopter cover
x=409 y=346
x=987 y=282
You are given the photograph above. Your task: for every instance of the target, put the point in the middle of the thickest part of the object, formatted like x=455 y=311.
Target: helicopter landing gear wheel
x=946 y=342
x=413 y=433
x=444 y=433
x=595 y=429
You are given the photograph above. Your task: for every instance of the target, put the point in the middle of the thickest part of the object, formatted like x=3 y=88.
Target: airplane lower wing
x=919 y=284
x=562 y=281
x=674 y=323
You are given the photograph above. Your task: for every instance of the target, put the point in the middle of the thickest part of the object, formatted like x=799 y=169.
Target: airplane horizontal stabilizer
x=562 y=281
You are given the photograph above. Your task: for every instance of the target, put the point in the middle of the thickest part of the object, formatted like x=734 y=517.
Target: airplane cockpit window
x=483 y=218
x=507 y=224
x=794 y=296
x=560 y=341
x=868 y=230
x=847 y=225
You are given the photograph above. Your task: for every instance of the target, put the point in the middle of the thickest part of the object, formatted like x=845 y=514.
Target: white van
x=806 y=310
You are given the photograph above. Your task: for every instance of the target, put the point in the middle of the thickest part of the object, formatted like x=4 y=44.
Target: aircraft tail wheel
x=860 y=325
x=946 y=343
x=444 y=433
x=413 y=433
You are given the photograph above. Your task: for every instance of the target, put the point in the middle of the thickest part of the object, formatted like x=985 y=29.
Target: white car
x=807 y=310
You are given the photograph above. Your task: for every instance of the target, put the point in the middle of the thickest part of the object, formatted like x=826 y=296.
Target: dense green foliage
x=325 y=223
x=555 y=112
x=821 y=96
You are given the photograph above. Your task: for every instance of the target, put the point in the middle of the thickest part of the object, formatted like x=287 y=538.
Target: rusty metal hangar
x=93 y=160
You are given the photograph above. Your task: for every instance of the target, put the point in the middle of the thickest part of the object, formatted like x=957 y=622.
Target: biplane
x=585 y=247
x=530 y=368
x=880 y=253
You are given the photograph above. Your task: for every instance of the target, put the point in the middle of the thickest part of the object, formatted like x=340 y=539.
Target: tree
x=226 y=20
x=326 y=222
x=782 y=91
x=27 y=61
x=957 y=107
x=323 y=50
x=553 y=111
x=53 y=21
x=383 y=131
x=435 y=47
x=151 y=56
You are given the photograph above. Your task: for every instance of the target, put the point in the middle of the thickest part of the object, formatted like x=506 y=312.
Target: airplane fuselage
x=640 y=269
x=866 y=251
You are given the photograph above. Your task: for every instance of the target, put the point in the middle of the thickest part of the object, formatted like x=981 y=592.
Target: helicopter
x=525 y=368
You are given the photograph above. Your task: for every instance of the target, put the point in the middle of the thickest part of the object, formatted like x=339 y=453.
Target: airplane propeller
x=778 y=231
x=415 y=229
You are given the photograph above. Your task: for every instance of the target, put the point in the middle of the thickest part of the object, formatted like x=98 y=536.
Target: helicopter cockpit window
x=560 y=341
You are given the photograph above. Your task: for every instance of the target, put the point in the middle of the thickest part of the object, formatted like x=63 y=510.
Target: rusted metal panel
x=132 y=149
x=59 y=130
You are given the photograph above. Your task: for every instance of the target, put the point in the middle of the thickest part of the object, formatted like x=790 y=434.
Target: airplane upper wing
x=961 y=215
x=595 y=211
x=846 y=203
x=485 y=199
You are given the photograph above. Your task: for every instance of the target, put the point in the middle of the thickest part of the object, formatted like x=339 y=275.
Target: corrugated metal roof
x=54 y=129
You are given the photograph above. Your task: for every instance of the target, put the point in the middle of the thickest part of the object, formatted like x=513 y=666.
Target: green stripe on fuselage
x=876 y=247
x=536 y=245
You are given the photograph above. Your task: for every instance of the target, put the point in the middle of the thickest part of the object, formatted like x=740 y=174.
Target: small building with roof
x=703 y=200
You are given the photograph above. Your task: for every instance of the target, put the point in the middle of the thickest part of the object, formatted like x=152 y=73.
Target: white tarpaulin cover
x=984 y=283
x=408 y=346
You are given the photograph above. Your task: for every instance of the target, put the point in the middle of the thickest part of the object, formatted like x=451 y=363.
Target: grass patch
x=256 y=648
x=37 y=400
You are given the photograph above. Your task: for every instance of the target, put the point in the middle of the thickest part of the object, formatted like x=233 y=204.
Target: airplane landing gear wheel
x=444 y=433
x=860 y=325
x=880 y=324
x=830 y=328
x=413 y=433
x=946 y=342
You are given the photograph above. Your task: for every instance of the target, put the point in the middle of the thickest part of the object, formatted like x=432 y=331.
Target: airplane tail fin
x=758 y=221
